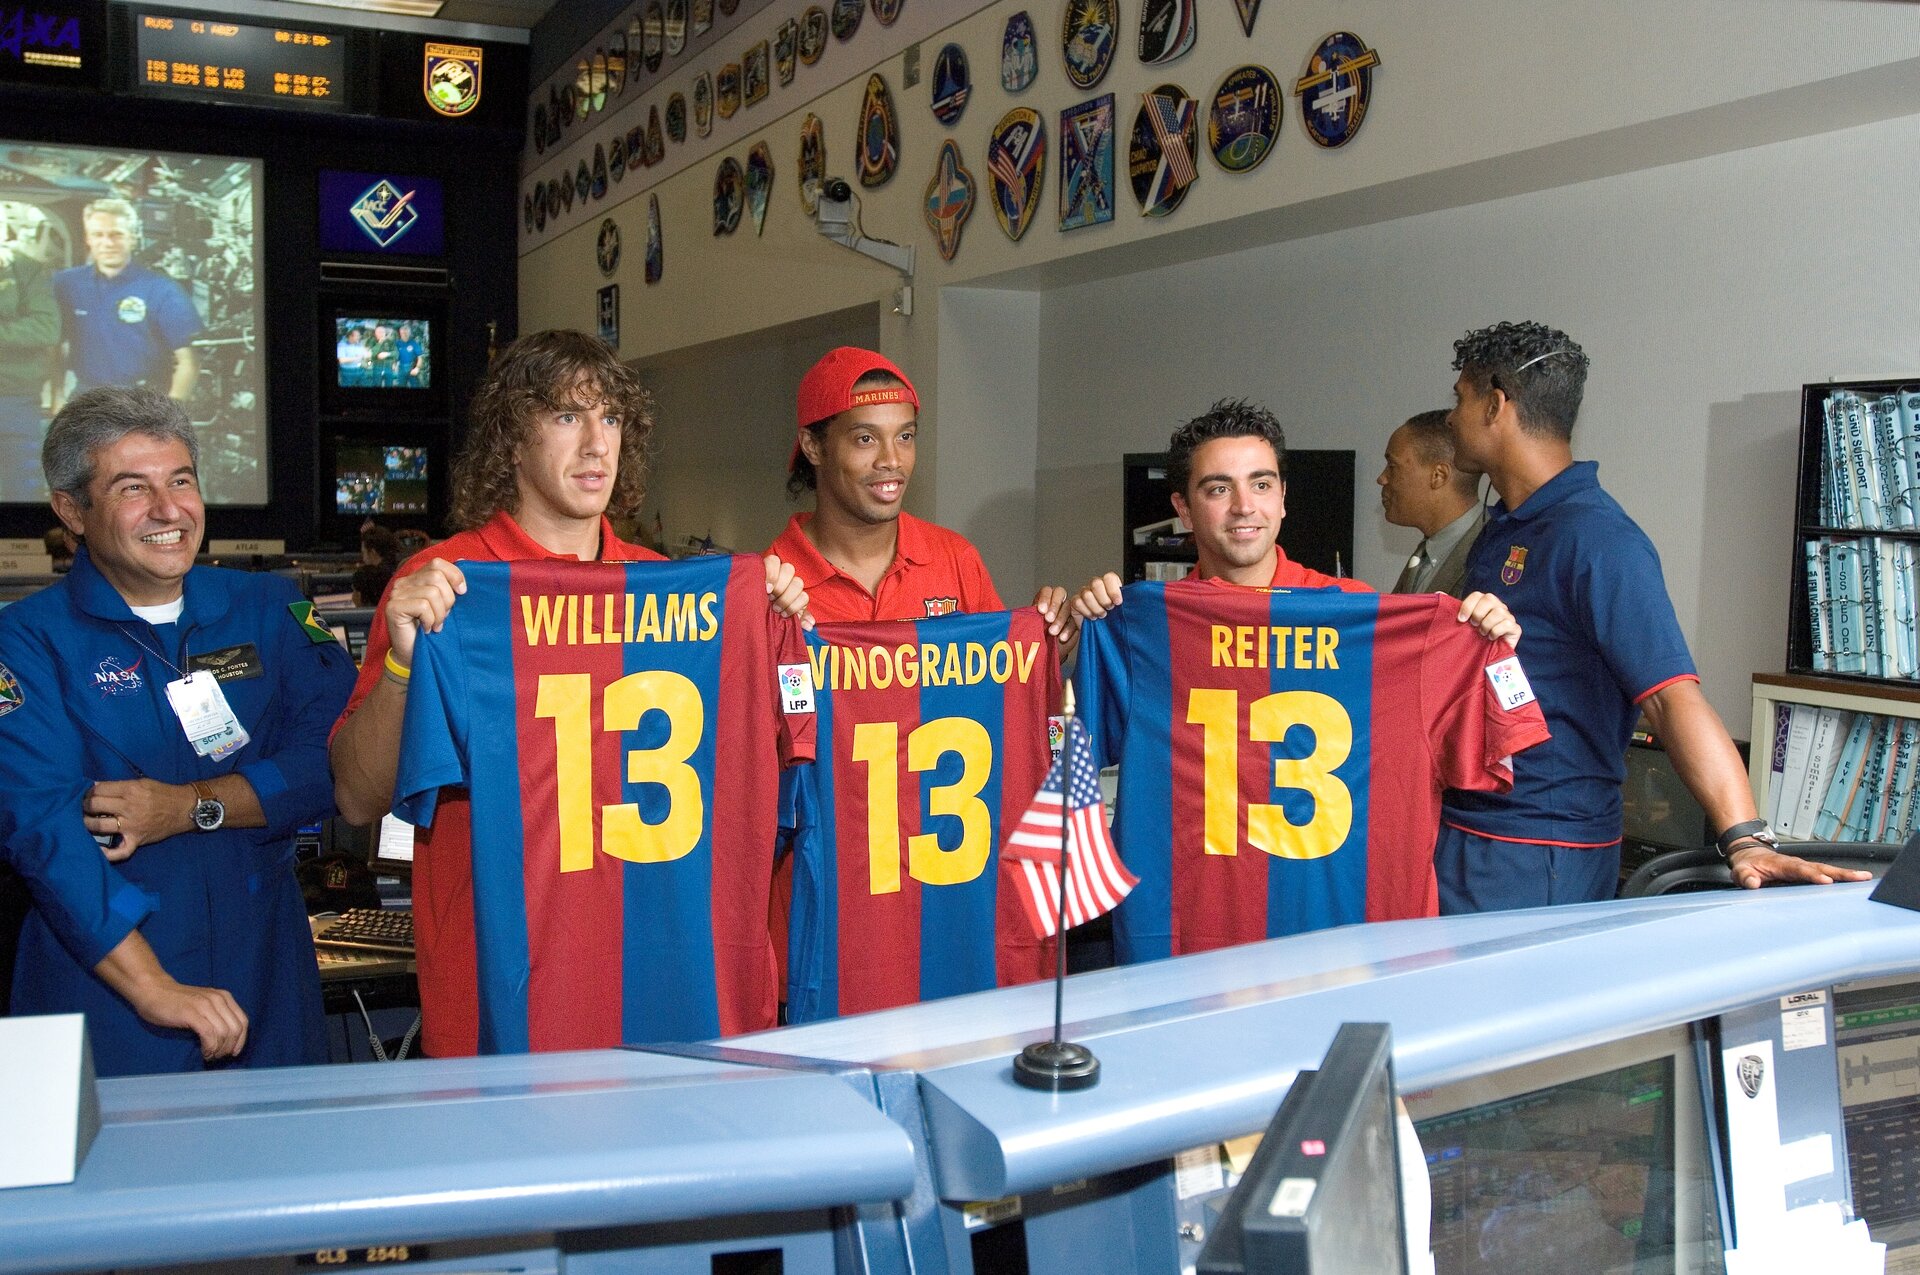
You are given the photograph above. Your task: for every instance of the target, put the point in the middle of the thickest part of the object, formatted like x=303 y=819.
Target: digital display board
x=220 y=60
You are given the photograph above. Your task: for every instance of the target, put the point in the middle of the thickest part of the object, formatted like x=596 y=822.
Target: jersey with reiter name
x=1282 y=753
x=933 y=739
x=621 y=729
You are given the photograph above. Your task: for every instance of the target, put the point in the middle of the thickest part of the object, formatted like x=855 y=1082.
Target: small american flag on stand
x=1067 y=808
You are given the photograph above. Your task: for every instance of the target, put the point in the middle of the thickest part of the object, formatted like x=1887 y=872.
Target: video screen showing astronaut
x=132 y=268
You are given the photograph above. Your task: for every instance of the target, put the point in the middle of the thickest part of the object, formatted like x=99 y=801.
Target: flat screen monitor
x=380 y=478
x=384 y=214
x=146 y=266
x=1322 y=1194
x=392 y=851
x=382 y=352
x=1876 y=1038
x=1593 y=1161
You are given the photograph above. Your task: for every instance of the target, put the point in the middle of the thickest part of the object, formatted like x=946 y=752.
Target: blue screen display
x=390 y=214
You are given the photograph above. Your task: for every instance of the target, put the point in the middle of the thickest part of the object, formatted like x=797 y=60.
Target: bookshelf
x=1317 y=531
x=1795 y=691
x=1856 y=569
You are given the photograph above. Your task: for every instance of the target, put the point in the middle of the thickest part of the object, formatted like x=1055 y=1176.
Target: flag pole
x=1056 y=1065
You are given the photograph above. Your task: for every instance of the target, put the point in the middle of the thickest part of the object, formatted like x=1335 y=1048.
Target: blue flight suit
x=83 y=698
x=123 y=330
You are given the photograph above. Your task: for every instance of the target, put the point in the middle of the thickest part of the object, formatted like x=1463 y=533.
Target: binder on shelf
x=1795 y=753
x=1844 y=790
x=1830 y=731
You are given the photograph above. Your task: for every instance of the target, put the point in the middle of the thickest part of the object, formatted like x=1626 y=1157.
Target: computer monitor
x=371 y=477
x=1322 y=1194
x=1876 y=1038
x=1590 y=1161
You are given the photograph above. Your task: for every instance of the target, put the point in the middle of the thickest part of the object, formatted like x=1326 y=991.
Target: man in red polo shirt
x=1229 y=478
x=860 y=555
x=558 y=435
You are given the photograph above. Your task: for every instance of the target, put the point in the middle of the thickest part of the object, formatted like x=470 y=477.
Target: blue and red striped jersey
x=1282 y=753
x=621 y=729
x=933 y=739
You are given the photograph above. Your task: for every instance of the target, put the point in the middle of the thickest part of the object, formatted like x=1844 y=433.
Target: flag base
x=1056 y=1065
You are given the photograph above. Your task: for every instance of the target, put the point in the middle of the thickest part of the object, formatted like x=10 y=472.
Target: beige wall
x=1708 y=194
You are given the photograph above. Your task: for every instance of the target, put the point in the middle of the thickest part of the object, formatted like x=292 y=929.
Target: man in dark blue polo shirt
x=124 y=324
x=1602 y=646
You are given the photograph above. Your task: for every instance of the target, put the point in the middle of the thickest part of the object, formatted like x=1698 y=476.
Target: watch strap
x=1749 y=830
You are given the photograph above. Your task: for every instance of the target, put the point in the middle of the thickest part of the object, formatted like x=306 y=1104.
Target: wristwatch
x=1751 y=830
x=209 y=812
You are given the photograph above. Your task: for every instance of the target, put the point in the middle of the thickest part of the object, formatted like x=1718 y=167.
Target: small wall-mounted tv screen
x=383 y=353
x=379 y=478
x=391 y=214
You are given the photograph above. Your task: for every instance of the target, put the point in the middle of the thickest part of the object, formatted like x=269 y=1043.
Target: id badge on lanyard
x=201 y=705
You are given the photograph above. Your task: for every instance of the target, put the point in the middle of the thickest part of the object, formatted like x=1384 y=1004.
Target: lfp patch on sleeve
x=11 y=696
x=796 y=688
x=310 y=623
x=1510 y=685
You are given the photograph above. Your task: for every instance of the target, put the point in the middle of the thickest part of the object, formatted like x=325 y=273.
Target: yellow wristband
x=398 y=669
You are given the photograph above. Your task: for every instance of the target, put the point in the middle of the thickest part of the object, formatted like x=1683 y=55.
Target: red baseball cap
x=827 y=388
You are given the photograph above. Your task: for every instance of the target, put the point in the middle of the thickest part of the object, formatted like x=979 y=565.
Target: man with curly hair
x=558 y=436
x=1602 y=647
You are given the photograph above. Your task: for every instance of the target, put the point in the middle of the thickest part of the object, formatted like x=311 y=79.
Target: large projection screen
x=153 y=261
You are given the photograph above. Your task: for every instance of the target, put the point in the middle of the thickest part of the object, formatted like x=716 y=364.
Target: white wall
x=1706 y=293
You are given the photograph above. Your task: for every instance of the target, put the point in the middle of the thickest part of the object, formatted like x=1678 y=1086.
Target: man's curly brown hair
x=547 y=372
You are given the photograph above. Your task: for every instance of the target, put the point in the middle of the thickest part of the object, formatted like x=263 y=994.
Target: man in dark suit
x=1421 y=487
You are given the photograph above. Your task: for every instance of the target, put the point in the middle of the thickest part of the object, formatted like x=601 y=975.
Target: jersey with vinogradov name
x=1282 y=753
x=621 y=729
x=933 y=740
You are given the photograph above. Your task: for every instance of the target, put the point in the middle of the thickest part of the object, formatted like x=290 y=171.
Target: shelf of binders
x=1833 y=760
x=1857 y=533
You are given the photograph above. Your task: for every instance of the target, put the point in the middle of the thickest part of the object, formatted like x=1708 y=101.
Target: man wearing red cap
x=859 y=554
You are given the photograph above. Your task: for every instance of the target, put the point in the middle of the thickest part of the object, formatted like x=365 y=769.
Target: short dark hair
x=381 y=543
x=1540 y=368
x=1433 y=444
x=801 y=475
x=1228 y=418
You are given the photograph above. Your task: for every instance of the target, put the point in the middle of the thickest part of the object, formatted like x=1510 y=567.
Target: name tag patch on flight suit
x=231 y=663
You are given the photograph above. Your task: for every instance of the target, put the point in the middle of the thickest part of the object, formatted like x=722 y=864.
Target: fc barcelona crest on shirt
x=1244 y=121
x=846 y=17
x=606 y=249
x=952 y=84
x=813 y=34
x=727 y=90
x=656 y=249
x=1019 y=53
x=1249 y=10
x=1166 y=133
x=879 y=134
x=1088 y=39
x=1086 y=163
x=677 y=117
x=949 y=199
x=1017 y=168
x=703 y=103
x=1336 y=89
x=759 y=184
x=1167 y=29
x=786 y=50
x=451 y=79
x=887 y=12
x=729 y=196
x=1515 y=565
x=813 y=161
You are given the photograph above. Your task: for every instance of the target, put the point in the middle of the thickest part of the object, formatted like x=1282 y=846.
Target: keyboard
x=370 y=930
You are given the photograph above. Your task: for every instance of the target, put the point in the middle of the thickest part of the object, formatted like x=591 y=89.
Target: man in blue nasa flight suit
x=176 y=716
x=126 y=324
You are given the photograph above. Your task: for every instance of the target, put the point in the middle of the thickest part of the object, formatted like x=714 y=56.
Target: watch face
x=209 y=814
